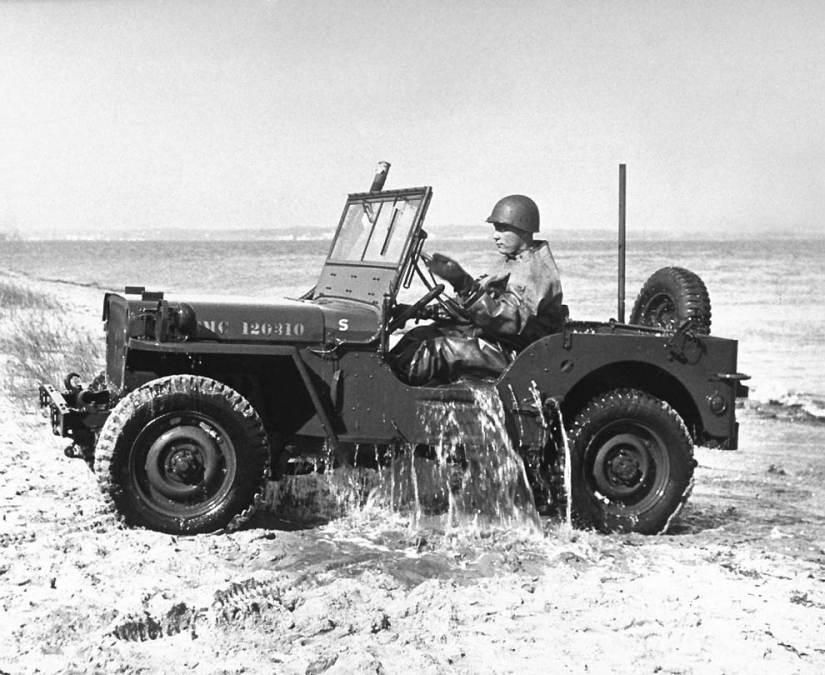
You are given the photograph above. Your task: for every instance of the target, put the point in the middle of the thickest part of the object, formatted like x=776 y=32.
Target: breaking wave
x=782 y=402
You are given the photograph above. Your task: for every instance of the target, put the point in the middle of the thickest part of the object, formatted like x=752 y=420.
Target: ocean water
x=769 y=294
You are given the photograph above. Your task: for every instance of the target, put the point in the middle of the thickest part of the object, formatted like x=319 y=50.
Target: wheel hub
x=621 y=466
x=661 y=310
x=185 y=464
x=624 y=468
x=183 y=460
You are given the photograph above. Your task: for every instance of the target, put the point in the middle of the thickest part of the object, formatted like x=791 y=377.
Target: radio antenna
x=622 y=208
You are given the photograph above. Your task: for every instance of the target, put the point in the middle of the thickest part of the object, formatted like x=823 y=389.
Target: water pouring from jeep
x=471 y=477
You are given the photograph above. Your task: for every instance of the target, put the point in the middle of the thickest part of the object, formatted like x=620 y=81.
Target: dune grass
x=15 y=296
x=41 y=341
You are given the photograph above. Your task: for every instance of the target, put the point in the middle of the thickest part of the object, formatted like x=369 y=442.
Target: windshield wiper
x=386 y=245
x=372 y=216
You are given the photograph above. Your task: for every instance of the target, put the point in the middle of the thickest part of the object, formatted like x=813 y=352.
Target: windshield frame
x=383 y=234
x=349 y=276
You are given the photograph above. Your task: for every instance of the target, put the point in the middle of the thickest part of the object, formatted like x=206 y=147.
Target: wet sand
x=736 y=587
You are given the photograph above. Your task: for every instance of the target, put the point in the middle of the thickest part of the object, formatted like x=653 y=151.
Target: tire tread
x=686 y=289
x=629 y=402
x=175 y=385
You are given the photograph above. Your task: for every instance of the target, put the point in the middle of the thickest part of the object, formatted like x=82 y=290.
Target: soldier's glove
x=495 y=284
x=449 y=270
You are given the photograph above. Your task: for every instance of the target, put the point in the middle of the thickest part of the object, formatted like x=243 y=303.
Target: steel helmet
x=517 y=211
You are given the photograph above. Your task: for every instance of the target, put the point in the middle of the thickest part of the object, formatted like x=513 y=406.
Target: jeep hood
x=232 y=318
x=246 y=318
x=251 y=319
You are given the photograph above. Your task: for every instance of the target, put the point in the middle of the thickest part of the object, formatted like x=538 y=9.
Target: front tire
x=632 y=463
x=183 y=454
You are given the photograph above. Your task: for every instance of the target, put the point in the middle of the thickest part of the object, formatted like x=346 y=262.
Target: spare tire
x=670 y=296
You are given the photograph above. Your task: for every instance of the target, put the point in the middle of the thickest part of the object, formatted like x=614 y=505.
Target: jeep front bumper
x=78 y=414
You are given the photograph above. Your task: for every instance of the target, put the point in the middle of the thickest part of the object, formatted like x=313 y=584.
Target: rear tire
x=183 y=454
x=670 y=296
x=632 y=463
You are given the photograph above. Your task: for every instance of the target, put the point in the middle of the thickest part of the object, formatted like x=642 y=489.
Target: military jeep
x=205 y=399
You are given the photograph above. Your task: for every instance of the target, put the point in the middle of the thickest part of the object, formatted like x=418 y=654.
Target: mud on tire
x=632 y=463
x=671 y=295
x=183 y=454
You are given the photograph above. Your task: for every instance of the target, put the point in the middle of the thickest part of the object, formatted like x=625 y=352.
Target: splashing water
x=568 y=468
x=471 y=478
x=313 y=497
x=321 y=493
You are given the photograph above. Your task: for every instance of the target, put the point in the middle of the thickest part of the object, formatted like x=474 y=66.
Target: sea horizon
x=458 y=232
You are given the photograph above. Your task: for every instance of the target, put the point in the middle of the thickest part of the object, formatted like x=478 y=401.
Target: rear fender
x=576 y=367
x=636 y=375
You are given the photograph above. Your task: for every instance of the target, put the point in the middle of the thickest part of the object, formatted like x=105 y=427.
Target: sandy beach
x=737 y=586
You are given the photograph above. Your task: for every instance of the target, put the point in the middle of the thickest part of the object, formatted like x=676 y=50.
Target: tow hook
x=78 y=450
x=73 y=451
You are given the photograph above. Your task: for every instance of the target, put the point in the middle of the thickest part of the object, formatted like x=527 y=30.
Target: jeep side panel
x=576 y=366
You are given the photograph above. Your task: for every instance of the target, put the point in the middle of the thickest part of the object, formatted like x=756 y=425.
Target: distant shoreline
x=468 y=233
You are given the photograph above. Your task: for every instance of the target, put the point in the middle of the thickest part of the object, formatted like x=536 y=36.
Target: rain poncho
x=518 y=304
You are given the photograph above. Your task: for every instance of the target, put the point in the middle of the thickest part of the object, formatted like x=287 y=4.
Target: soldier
x=518 y=304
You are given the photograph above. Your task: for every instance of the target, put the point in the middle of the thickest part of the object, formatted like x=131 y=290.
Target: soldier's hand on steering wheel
x=448 y=269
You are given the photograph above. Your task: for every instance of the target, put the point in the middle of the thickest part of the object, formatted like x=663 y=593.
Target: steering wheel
x=453 y=308
x=414 y=308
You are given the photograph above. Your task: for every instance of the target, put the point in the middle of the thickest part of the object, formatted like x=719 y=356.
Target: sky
x=122 y=115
